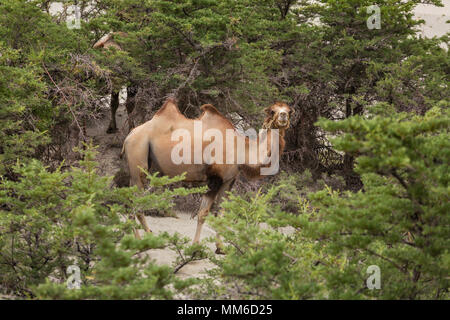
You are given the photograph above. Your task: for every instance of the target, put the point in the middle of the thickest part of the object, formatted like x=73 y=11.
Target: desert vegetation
x=363 y=175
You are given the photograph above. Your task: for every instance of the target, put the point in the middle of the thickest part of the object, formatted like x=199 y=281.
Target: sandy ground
x=435 y=19
x=109 y=148
x=185 y=226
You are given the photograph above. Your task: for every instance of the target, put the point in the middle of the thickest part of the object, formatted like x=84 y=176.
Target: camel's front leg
x=217 y=191
x=219 y=198
x=207 y=202
x=214 y=184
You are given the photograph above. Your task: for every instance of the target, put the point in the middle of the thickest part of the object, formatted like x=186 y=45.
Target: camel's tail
x=123 y=145
x=122 y=152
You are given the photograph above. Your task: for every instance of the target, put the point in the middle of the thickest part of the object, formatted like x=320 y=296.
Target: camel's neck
x=267 y=141
x=272 y=142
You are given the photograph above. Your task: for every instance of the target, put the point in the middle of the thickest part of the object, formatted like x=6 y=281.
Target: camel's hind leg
x=137 y=158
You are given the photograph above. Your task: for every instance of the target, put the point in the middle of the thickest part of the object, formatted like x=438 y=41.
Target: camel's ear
x=268 y=110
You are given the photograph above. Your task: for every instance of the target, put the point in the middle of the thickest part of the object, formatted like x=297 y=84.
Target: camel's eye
x=272 y=112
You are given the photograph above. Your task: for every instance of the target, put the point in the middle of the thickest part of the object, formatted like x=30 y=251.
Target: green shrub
x=265 y=259
x=21 y=100
x=51 y=220
x=398 y=222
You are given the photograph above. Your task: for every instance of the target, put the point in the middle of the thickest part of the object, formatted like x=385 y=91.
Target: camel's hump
x=170 y=105
x=210 y=108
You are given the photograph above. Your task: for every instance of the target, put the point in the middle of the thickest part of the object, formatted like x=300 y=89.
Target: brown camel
x=152 y=144
x=108 y=42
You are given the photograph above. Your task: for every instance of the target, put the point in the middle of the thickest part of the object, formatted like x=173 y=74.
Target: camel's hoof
x=111 y=130
x=196 y=253
x=219 y=251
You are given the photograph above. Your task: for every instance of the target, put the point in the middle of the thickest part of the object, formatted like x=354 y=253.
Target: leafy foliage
x=381 y=96
x=262 y=260
x=51 y=220
x=21 y=97
x=398 y=222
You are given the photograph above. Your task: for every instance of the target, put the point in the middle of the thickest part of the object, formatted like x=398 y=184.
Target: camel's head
x=278 y=116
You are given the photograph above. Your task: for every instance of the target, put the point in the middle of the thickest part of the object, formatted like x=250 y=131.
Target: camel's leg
x=214 y=184
x=114 y=105
x=142 y=178
x=207 y=202
x=136 y=233
x=143 y=221
x=219 y=198
x=138 y=157
x=129 y=104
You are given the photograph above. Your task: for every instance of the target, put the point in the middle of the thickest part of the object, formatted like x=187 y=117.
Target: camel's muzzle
x=283 y=119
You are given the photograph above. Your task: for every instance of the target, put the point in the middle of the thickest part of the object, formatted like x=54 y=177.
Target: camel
x=151 y=145
x=108 y=42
